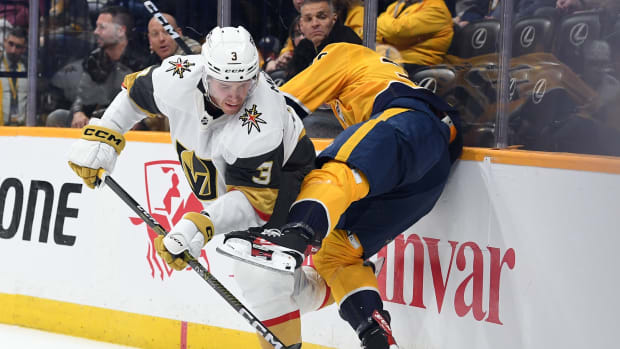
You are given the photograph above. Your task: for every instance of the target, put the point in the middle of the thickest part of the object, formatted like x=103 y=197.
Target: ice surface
x=16 y=337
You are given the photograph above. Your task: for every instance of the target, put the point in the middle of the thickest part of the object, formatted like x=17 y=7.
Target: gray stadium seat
x=436 y=78
x=532 y=34
x=574 y=31
x=477 y=38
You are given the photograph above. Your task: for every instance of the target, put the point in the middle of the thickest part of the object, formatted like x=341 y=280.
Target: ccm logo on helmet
x=234 y=70
x=99 y=133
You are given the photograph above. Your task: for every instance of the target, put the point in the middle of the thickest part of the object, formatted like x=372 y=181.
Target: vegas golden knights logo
x=200 y=173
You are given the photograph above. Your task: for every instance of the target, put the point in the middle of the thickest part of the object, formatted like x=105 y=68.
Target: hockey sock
x=325 y=194
x=357 y=310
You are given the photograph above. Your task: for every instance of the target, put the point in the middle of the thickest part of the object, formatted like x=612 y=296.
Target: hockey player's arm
x=320 y=82
x=102 y=139
x=252 y=188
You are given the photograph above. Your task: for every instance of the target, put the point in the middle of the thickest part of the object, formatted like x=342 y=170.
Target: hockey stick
x=150 y=6
x=202 y=271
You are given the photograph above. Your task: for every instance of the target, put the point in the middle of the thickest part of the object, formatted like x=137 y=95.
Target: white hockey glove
x=98 y=148
x=190 y=234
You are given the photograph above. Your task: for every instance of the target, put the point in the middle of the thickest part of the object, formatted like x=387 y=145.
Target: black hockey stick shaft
x=150 y=6
x=199 y=268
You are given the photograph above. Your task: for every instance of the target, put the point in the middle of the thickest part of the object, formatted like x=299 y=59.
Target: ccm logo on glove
x=177 y=241
x=106 y=135
x=190 y=234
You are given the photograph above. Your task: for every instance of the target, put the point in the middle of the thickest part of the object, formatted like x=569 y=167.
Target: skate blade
x=280 y=262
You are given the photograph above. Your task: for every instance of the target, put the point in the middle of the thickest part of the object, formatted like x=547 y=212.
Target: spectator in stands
x=469 y=11
x=318 y=23
x=104 y=69
x=521 y=8
x=268 y=47
x=420 y=29
x=69 y=15
x=351 y=14
x=578 y=5
x=281 y=62
x=67 y=34
x=14 y=90
x=609 y=10
x=276 y=67
x=17 y=11
x=295 y=34
x=162 y=45
x=528 y=8
x=5 y=28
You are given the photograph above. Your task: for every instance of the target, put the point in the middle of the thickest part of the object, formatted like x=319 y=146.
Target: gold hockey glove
x=190 y=234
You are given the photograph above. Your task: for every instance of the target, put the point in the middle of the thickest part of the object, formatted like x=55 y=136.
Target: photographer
x=104 y=69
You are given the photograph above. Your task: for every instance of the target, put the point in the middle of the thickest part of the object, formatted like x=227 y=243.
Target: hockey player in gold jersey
x=382 y=174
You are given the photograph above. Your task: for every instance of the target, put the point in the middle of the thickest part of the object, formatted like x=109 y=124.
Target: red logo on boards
x=457 y=271
x=167 y=201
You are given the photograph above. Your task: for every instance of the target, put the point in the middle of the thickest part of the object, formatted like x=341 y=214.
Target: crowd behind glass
x=563 y=94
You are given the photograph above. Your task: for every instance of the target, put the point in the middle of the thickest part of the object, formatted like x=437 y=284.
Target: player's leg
x=398 y=148
x=311 y=291
x=325 y=194
x=289 y=332
x=268 y=294
x=394 y=148
x=276 y=288
x=406 y=165
x=310 y=294
x=354 y=287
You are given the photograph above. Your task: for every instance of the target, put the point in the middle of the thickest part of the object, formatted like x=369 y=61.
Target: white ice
x=15 y=337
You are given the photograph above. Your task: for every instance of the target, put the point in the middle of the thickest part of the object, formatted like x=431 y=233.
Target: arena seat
x=477 y=38
x=551 y=12
x=532 y=34
x=574 y=31
x=436 y=78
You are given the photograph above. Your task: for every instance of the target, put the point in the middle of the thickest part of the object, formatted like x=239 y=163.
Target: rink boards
x=518 y=253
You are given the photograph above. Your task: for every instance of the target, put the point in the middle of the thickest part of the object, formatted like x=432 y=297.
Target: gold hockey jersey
x=351 y=78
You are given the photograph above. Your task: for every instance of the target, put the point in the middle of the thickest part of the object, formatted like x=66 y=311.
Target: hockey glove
x=98 y=148
x=190 y=234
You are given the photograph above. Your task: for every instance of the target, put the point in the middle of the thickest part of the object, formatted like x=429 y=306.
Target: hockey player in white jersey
x=244 y=153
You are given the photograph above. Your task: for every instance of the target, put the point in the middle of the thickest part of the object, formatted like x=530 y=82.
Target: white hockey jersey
x=235 y=165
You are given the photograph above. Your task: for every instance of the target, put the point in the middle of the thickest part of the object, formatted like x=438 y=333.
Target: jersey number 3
x=264 y=173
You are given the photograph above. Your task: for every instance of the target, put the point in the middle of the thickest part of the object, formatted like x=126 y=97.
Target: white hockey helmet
x=230 y=54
